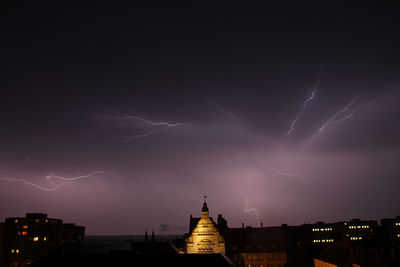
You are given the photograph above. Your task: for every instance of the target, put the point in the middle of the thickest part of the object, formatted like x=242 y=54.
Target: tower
x=205 y=238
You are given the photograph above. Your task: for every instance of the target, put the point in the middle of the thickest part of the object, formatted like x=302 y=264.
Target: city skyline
x=120 y=118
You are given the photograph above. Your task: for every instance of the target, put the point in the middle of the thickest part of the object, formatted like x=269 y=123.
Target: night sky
x=120 y=118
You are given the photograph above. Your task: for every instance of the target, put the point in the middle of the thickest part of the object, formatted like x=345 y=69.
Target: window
x=36 y=239
x=24 y=233
x=25 y=227
x=45 y=238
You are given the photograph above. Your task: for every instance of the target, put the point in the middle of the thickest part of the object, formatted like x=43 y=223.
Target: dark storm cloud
x=235 y=76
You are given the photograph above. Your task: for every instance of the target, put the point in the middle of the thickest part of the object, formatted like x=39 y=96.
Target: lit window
x=35 y=239
x=17 y=251
x=16 y=221
x=45 y=238
x=12 y=251
x=24 y=233
x=25 y=226
x=37 y=220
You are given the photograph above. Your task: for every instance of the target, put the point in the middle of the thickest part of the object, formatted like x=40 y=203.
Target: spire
x=153 y=238
x=205 y=208
x=146 y=237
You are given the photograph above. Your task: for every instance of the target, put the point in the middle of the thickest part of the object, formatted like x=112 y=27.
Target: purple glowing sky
x=121 y=118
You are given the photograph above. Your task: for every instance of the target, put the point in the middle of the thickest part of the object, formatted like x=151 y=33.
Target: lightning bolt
x=24 y=181
x=303 y=108
x=51 y=178
x=146 y=121
x=247 y=210
x=158 y=124
x=333 y=119
x=69 y=179
x=354 y=111
x=226 y=112
x=279 y=172
x=342 y=115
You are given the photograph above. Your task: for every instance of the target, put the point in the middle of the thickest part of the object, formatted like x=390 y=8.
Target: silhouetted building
x=27 y=239
x=139 y=254
x=356 y=229
x=324 y=233
x=264 y=246
x=391 y=230
x=1 y=242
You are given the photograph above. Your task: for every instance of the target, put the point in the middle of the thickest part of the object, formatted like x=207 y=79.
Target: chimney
x=261 y=225
x=242 y=225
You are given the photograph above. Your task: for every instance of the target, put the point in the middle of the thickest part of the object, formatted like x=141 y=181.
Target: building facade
x=205 y=237
x=26 y=239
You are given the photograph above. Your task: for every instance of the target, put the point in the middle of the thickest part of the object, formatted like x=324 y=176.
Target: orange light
x=24 y=233
x=25 y=226
x=35 y=239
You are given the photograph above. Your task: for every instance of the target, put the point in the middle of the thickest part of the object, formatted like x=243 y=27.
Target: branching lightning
x=334 y=119
x=160 y=125
x=279 y=172
x=247 y=210
x=342 y=115
x=68 y=179
x=51 y=178
x=24 y=181
x=146 y=121
x=303 y=108
x=353 y=111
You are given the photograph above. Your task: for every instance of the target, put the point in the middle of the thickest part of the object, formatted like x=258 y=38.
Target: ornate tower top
x=205 y=208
